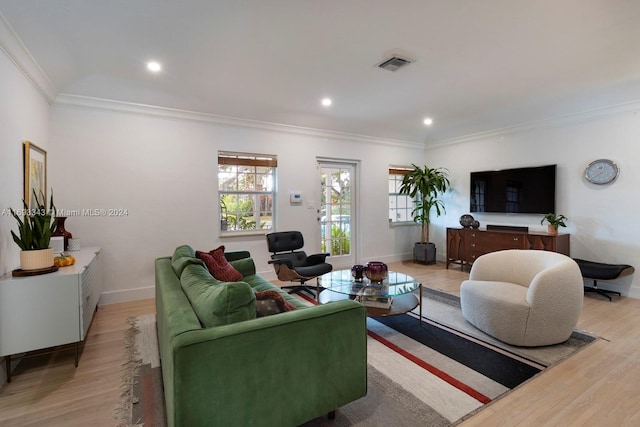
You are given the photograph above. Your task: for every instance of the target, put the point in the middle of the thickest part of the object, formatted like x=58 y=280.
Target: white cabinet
x=89 y=292
x=49 y=310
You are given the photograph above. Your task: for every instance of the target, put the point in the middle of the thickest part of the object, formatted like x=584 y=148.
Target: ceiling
x=479 y=65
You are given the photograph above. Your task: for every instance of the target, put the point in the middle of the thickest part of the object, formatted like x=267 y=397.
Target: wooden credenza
x=49 y=310
x=465 y=245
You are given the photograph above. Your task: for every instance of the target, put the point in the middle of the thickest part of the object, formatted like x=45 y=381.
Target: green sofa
x=278 y=370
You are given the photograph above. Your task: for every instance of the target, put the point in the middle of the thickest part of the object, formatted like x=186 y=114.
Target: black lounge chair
x=601 y=271
x=292 y=264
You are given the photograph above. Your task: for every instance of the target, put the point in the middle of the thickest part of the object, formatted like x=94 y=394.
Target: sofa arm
x=236 y=255
x=277 y=370
x=245 y=266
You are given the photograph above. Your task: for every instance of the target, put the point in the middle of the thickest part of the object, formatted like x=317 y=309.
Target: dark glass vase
x=357 y=271
x=61 y=231
x=376 y=271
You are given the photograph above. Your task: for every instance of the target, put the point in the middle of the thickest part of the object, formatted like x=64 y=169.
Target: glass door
x=336 y=216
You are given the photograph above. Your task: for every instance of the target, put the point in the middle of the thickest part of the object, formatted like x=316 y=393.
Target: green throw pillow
x=183 y=251
x=217 y=303
x=184 y=255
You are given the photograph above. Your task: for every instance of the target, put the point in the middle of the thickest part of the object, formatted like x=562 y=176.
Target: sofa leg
x=332 y=415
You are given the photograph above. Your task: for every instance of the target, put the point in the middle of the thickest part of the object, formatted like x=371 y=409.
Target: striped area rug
x=434 y=371
x=449 y=365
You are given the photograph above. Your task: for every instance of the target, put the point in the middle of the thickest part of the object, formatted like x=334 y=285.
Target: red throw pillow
x=218 y=265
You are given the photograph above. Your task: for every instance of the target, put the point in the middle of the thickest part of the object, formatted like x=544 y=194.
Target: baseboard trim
x=125 y=295
x=114 y=297
x=630 y=292
x=633 y=292
x=384 y=258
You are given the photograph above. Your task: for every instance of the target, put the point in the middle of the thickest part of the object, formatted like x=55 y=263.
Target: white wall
x=603 y=220
x=163 y=171
x=24 y=115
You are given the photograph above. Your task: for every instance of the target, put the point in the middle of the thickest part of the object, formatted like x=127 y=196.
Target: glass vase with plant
x=555 y=221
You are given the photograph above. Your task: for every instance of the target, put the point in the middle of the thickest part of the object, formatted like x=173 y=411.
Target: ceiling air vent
x=394 y=63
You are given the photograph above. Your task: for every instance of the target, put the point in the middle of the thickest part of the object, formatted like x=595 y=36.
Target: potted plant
x=554 y=221
x=424 y=185
x=35 y=226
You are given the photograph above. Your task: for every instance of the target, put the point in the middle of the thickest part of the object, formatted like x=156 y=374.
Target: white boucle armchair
x=524 y=297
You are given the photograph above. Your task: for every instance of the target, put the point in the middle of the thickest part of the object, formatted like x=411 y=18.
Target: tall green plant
x=36 y=225
x=340 y=242
x=424 y=185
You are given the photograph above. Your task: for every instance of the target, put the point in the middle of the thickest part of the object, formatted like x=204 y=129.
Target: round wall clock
x=602 y=171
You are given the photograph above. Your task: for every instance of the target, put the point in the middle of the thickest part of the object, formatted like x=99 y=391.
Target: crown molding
x=579 y=117
x=16 y=51
x=86 y=102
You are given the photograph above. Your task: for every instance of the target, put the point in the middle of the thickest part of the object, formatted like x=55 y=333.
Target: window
x=513 y=198
x=478 y=191
x=246 y=188
x=400 y=205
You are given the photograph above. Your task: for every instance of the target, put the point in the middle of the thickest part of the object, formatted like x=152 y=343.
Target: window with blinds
x=246 y=190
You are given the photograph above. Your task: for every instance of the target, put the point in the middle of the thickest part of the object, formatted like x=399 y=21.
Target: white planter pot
x=36 y=260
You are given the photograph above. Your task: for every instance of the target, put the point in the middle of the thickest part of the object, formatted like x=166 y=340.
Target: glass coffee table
x=399 y=287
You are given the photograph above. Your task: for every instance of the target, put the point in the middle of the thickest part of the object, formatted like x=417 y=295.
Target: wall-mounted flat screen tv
x=530 y=190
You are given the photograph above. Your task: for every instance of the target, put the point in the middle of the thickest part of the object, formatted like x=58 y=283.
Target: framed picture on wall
x=35 y=173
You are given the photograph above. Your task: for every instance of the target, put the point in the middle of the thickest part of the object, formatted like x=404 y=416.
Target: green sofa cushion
x=184 y=255
x=217 y=303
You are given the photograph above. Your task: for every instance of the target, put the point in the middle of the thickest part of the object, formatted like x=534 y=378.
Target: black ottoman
x=601 y=271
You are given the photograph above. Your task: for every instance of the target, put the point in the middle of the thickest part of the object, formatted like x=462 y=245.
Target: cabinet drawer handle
x=473 y=245
x=515 y=239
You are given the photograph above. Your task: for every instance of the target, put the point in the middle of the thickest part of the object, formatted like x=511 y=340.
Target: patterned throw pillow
x=218 y=265
x=271 y=302
x=267 y=307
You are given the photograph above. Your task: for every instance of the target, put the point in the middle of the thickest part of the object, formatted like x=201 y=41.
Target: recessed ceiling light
x=154 y=66
x=428 y=121
x=326 y=102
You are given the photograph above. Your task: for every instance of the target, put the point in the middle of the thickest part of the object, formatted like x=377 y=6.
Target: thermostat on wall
x=296 y=198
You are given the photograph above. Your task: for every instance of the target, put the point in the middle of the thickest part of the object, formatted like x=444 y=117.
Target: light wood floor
x=49 y=391
x=599 y=386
